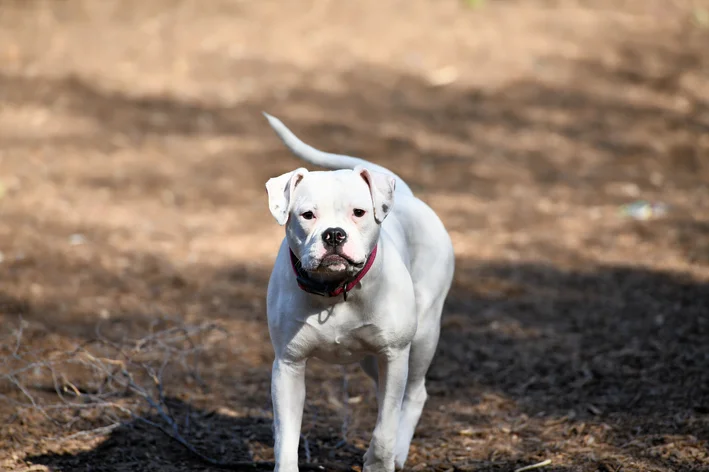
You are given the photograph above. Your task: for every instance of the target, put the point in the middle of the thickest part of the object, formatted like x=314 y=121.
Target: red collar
x=325 y=289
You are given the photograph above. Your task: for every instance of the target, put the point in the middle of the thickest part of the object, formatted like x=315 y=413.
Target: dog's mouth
x=333 y=259
x=336 y=261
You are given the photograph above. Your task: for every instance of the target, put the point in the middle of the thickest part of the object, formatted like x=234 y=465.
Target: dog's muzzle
x=325 y=289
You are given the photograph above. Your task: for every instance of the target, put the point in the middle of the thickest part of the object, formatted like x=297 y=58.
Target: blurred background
x=564 y=143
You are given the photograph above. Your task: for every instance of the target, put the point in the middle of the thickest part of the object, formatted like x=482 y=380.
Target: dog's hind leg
x=423 y=348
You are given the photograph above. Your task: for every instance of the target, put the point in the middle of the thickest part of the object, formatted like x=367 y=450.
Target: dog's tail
x=325 y=159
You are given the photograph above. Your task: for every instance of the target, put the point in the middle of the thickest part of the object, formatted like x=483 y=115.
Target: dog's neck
x=330 y=286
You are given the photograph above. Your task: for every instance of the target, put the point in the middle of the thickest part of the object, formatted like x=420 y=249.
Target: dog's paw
x=401 y=452
x=378 y=467
x=399 y=462
x=286 y=468
x=374 y=464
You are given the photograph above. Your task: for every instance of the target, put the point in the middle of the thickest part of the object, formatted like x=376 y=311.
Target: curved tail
x=325 y=159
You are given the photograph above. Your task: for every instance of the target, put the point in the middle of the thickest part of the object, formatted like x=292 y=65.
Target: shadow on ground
x=607 y=341
x=228 y=439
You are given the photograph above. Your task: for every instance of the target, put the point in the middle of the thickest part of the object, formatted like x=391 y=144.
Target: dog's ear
x=280 y=192
x=381 y=187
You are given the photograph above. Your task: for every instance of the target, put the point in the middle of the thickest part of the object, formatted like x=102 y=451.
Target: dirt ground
x=133 y=158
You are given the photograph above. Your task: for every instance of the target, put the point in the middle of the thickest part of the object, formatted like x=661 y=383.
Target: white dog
x=357 y=278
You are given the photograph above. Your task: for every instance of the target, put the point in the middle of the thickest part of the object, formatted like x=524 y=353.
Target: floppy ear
x=381 y=187
x=280 y=192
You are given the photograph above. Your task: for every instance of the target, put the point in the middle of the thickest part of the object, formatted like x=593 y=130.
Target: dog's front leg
x=393 y=368
x=288 y=393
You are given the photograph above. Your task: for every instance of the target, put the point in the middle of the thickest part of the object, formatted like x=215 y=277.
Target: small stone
x=355 y=400
x=77 y=239
x=443 y=76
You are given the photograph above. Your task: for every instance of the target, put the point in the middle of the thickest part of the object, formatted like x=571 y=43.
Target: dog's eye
x=308 y=215
x=358 y=213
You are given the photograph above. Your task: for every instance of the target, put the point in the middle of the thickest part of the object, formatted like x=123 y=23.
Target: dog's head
x=332 y=218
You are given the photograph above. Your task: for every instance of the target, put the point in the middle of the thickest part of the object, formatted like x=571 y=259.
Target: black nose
x=334 y=237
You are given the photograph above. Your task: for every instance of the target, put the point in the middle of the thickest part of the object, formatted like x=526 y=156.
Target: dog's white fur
x=390 y=321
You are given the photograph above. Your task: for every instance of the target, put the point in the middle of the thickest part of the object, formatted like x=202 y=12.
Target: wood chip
x=534 y=466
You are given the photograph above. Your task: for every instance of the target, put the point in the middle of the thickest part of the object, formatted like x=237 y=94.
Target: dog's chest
x=341 y=339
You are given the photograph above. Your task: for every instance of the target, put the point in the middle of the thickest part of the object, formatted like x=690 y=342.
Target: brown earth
x=133 y=158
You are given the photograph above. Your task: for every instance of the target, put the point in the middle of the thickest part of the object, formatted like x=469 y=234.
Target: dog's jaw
x=333 y=268
x=338 y=261
x=334 y=263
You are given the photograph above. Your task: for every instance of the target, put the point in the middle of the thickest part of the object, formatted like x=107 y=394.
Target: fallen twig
x=534 y=466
